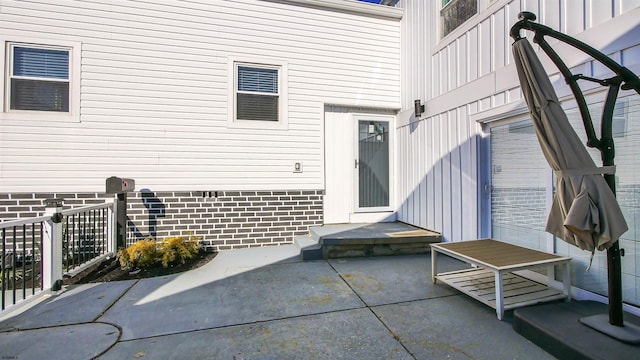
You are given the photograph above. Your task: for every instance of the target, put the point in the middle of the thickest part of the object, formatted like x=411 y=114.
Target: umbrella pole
x=614 y=324
x=614 y=260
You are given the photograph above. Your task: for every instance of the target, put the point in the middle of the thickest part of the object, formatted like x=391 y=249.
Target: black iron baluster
x=24 y=261
x=13 y=265
x=65 y=237
x=93 y=234
x=3 y=262
x=33 y=258
x=102 y=222
x=41 y=263
x=73 y=240
x=83 y=236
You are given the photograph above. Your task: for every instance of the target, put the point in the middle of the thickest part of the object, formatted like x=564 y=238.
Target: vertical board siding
x=473 y=58
x=501 y=39
x=449 y=147
x=154 y=92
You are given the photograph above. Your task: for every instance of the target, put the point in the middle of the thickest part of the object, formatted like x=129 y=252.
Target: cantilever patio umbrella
x=584 y=212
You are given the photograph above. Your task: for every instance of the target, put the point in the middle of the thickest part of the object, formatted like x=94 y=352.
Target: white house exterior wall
x=468 y=77
x=154 y=92
x=154 y=87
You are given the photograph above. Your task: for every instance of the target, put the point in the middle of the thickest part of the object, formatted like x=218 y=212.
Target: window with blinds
x=455 y=12
x=39 y=78
x=257 y=93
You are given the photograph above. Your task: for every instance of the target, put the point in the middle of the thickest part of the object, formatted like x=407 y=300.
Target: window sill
x=257 y=124
x=40 y=116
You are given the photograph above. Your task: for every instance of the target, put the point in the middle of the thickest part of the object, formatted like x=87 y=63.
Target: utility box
x=116 y=185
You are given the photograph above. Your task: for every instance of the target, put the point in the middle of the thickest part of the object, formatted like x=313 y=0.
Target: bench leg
x=434 y=267
x=566 y=280
x=499 y=295
x=551 y=275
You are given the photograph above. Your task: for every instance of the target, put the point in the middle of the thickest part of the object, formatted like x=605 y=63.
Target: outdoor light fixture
x=418 y=108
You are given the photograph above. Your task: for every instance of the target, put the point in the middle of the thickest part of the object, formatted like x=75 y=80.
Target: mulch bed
x=109 y=270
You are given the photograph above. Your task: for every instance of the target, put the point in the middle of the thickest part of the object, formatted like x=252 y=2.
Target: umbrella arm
x=629 y=80
x=624 y=78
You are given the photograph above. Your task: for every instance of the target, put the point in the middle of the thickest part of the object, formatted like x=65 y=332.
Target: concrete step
x=309 y=247
x=362 y=240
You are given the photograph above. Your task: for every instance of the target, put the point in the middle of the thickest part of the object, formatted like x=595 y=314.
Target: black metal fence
x=21 y=262
x=85 y=237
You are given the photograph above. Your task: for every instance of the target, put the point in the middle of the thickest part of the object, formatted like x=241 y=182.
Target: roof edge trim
x=353 y=6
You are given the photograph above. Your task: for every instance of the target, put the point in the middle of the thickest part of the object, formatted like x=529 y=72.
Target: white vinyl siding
x=155 y=92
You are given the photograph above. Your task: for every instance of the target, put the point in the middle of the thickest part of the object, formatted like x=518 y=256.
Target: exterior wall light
x=418 y=108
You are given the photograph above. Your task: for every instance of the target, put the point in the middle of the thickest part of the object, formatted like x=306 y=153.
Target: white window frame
x=74 y=49
x=480 y=4
x=281 y=66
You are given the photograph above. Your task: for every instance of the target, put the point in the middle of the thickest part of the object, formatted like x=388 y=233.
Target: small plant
x=179 y=249
x=148 y=252
x=141 y=254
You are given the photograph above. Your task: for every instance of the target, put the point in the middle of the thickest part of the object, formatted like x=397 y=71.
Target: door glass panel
x=373 y=164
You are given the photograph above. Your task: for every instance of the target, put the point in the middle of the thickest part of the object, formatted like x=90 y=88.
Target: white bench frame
x=477 y=283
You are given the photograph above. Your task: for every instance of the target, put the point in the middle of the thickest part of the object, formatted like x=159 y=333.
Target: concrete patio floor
x=266 y=304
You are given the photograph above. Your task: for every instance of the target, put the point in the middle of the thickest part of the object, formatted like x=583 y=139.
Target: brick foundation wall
x=224 y=219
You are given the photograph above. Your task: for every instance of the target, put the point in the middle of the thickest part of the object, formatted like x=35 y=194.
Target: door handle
x=356 y=163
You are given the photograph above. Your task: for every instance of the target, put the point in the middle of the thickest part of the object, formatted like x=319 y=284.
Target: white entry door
x=357 y=181
x=373 y=163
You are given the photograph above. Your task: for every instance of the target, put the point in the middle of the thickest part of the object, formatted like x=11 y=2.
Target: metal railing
x=21 y=261
x=87 y=235
x=38 y=252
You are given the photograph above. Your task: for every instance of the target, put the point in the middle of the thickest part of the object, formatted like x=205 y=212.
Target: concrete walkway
x=266 y=304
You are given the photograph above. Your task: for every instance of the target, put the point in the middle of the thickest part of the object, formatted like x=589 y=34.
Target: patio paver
x=349 y=334
x=79 y=304
x=271 y=292
x=393 y=279
x=455 y=327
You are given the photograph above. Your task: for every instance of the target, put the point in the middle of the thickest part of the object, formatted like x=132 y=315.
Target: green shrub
x=177 y=249
x=141 y=254
x=170 y=251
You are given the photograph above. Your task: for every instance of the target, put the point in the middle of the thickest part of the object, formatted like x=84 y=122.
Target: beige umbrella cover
x=584 y=212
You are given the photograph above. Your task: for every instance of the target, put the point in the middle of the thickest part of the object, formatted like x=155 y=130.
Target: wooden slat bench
x=492 y=279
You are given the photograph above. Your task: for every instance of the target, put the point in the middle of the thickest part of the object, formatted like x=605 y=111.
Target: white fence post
x=112 y=231
x=52 y=246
